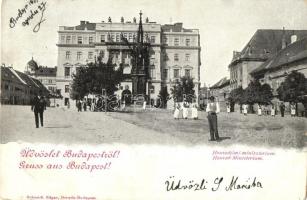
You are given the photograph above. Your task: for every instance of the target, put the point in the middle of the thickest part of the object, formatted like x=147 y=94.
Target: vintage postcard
x=155 y=100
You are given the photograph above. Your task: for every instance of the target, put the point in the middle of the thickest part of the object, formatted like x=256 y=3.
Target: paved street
x=149 y=127
x=71 y=127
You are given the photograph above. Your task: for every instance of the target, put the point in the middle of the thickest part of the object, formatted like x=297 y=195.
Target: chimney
x=283 y=40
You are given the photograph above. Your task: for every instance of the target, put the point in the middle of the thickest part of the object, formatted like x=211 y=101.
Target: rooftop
x=294 y=52
x=221 y=83
x=266 y=43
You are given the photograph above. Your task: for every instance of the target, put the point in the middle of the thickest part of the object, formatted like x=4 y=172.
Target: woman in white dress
x=194 y=111
x=177 y=111
x=144 y=105
x=185 y=111
x=228 y=108
x=292 y=107
x=259 y=110
x=273 y=110
x=245 y=109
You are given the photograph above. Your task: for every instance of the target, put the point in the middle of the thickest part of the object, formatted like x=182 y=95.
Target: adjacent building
x=18 y=88
x=46 y=75
x=175 y=52
x=292 y=58
x=263 y=46
x=221 y=90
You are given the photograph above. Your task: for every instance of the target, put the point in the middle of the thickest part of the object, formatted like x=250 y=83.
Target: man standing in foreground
x=38 y=106
x=212 y=109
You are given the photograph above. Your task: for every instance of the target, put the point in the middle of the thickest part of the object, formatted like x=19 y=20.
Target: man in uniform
x=212 y=109
x=38 y=106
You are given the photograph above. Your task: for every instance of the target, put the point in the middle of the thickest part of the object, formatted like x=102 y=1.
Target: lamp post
x=208 y=92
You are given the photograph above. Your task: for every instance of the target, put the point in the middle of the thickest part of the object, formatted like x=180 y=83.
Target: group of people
x=82 y=105
x=271 y=109
x=186 y=110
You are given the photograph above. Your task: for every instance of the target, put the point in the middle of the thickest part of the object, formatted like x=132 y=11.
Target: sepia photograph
x=227 y=78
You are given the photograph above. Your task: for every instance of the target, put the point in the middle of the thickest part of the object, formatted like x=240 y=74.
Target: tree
x=235 y=96
x=266 y=95
x=164 y=96
x=257 y=93
x=294 y=89
x=183 y=87
x=254 y=93
x=94 y=77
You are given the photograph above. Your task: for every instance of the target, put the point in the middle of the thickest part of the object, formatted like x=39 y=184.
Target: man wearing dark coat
x=38 y=106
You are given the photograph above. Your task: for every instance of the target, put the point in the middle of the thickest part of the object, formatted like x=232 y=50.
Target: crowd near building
x=175 y=52
x=269 y=56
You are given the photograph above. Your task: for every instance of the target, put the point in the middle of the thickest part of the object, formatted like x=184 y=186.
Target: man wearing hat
x=212 y=109
x=38 y=106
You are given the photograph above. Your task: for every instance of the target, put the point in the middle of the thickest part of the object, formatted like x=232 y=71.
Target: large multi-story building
x=174 y=52
x=264 y=45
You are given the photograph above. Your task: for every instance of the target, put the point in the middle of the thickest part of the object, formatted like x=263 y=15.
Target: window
x=152 y=39
x=101 y=54
x=68 y=39
x=130 y=37
x=67 y=54
x=112 y=37
x=67 y=71
x=62 y=38
x=102 y=38
x=187 y=57
x=66 y=88
x=117 y=37
x=165 y=57
x=165 y=74
x=6 y=87
x=187 y=72
x=50 y=81
x=152 y=89
x=79 y=39
x=152 y=61
x=73 y=41
x=176 y=57
x=90 y=55
x=125 y=35
x=79 y=54
x=176 y=41
x=187 y=42
x=90 y=40
x=176 y=73
x=152 y=72
x=165 y=40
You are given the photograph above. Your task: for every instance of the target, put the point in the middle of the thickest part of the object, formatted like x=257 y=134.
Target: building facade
x=275 y=70
x=264 y=45
x=46 y=75
x=175 y=52
x=18 y=88
x=220 y=91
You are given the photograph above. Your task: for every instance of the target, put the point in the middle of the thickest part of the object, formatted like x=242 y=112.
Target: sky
x=224 y=25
